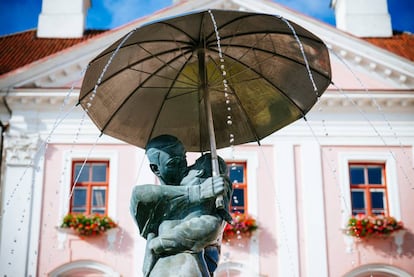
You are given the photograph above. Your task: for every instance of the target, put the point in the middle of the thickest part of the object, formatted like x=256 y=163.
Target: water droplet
x=222 y=67
x=227 y=101
x=224 y=73
x=88 y=105
x=229 y=122
x=222 y=60
x=228 y=108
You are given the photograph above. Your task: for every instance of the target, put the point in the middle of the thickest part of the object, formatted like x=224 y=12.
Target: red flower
x=88 y=225
x=243 y=225
x=372 y=226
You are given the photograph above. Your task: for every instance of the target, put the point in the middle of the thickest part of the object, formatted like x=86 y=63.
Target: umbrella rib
x=249 y=122
x=160 y=109
x=273 y=85
x=130 y=95
x=140 y=61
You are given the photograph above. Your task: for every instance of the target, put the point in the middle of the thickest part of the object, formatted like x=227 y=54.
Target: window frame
x=80 y=154
x=89 y=185
x=367 y=188
x=243 y=186
x=346 y=157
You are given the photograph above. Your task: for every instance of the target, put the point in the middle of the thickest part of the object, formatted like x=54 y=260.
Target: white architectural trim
x=286 y=200
x=104 y=270
x=21 y=195
x=315 y=247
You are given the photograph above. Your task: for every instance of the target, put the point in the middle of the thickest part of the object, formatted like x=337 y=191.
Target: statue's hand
x=212 y=187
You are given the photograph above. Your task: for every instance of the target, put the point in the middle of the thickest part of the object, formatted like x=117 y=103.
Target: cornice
x=397 y=101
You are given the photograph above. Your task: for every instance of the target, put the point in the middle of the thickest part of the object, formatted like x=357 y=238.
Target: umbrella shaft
x=207 y=105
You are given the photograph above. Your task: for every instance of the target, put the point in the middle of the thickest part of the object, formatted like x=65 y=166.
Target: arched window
x=84 y=269
x=377 y=270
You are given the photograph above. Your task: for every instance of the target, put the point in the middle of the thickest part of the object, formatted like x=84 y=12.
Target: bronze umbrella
x=211 y=78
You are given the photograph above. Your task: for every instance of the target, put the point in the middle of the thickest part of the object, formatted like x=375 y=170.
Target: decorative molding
x=21 y=149
x=41 y=99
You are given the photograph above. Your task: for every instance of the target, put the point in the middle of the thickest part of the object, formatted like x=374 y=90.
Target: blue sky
x=21 y=15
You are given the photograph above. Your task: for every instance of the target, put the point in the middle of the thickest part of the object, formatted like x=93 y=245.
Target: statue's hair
x=167 y=143
x=204 y=162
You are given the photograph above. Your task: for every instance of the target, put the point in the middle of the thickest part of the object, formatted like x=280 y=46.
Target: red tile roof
x=401 y=44
x=20 y=49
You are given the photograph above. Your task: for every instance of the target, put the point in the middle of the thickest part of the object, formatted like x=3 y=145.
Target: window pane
x=356 y=175
x=99 y=173
x=237 y=199
x=84 y=177
x=375 y=175
x=79 y=198
x=378 y=202
x=358 y=201
x=236 y=173
x=98 y=197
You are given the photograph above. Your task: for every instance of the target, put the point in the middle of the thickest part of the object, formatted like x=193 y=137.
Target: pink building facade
x=298 y=181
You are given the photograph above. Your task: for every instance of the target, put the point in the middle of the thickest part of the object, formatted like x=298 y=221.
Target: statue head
x=167 y=158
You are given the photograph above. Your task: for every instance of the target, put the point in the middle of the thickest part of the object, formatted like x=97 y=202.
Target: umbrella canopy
x=258 y=73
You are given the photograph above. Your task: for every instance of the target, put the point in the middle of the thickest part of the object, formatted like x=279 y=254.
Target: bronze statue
x=179 y=218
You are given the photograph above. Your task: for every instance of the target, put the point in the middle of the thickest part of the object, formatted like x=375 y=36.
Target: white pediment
x=350 y=56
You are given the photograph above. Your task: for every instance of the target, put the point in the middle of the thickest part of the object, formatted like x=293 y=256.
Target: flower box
x=86 y=225
x=243 y=226
x=364 y=227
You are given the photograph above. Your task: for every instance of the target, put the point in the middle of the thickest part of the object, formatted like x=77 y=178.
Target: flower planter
x=366 y=227
x=243 y=227
x=86 y=225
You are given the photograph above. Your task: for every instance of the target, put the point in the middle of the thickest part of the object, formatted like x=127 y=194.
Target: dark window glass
x=84 y=176
x=374 y=175
x=99 y=173
x=79 y=197
x=358 y=200
x=237 y=198
x=236 y=173
x=377 y=200
x=356 y=175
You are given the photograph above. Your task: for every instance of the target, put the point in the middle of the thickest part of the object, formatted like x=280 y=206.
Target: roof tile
x=401 y=44
x=23 y=48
